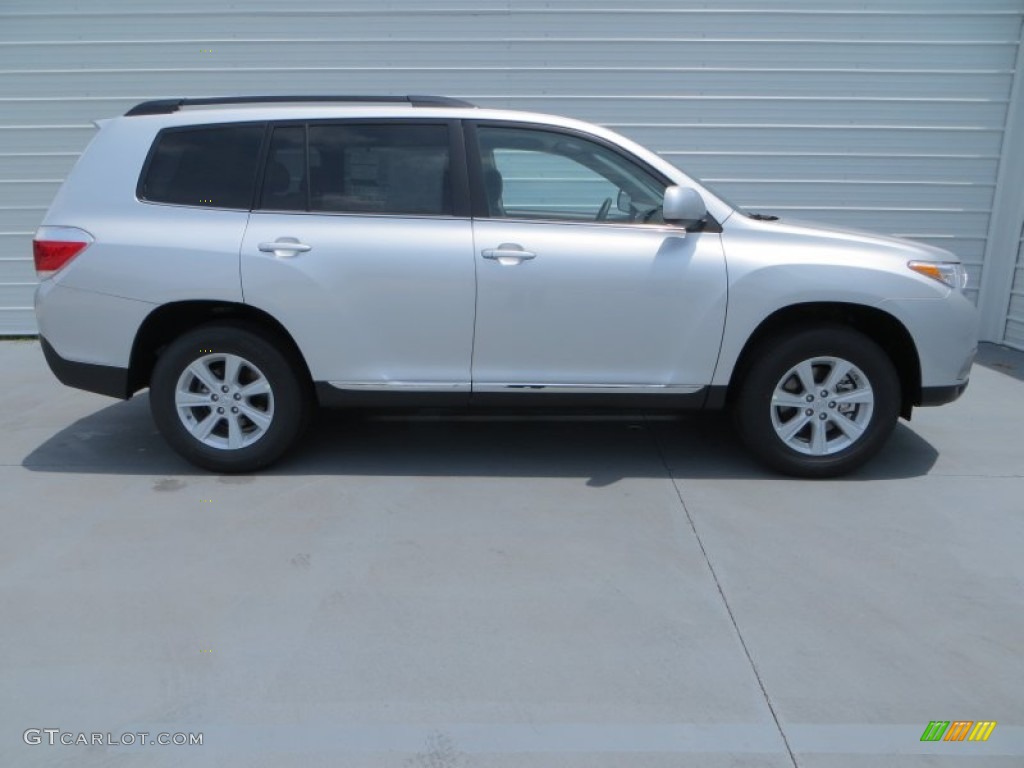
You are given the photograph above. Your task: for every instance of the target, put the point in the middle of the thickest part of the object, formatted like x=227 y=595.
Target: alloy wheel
x=224 y=401
x=822 y=405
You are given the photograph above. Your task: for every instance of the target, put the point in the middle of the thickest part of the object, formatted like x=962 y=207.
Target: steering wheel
x=651 y=214
x=602 y=214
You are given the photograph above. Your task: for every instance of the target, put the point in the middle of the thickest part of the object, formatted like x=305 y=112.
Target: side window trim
x=458 y=171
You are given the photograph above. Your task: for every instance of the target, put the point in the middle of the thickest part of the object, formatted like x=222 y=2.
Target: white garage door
x=883 y=114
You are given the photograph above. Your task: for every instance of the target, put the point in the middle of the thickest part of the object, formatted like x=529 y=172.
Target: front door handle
x=508 y=254
x=284 y=247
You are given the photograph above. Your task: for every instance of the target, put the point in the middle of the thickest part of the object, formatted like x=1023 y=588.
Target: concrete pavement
x=443 y=593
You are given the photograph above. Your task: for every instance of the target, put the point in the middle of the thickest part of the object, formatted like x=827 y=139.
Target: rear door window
x=395 y=169
x=210 y=167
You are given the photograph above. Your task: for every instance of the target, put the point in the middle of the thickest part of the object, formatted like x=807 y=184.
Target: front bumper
x=945 y=333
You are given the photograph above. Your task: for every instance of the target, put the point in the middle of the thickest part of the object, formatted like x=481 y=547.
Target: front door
x=580 y=284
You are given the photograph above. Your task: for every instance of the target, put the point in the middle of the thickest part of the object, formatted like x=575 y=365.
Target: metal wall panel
x=1015 y=314
x=882 y=114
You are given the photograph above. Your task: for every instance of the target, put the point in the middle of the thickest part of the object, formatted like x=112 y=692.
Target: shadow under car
x=121 y=439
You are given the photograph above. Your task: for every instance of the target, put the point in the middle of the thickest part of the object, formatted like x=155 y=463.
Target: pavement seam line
x=725 y=601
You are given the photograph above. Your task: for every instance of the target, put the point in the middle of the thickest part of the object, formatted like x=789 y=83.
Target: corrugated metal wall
x=883 y=114
x=1015 y=313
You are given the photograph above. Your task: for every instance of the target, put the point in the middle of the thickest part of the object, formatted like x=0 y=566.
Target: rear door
x=360 y=244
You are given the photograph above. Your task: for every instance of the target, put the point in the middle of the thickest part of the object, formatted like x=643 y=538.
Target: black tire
x=285 y=410
x=756 y=416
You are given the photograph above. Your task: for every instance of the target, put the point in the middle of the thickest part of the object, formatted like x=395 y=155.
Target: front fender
x=759 y=291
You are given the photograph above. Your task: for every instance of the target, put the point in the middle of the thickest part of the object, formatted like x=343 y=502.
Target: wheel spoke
x=259 y=418
x=258 y=387
x=202 y=430
x=191 y=399
x=818 y=442
x=783 y=399
x=234 y=432
x=201 y=372
x=788 y=430
x=805 y=372
x=232 y=365
x=857 y=396
x=850 y=428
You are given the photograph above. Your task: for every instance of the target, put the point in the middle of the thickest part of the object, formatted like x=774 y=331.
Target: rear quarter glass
x=209 y=166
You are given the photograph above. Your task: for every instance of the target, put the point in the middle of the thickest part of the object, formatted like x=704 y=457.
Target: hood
x=837 y=237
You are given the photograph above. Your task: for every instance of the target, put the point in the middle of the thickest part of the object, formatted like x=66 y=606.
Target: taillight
x=54 y=247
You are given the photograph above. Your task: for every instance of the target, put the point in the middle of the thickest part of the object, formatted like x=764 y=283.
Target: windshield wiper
x=763 y=216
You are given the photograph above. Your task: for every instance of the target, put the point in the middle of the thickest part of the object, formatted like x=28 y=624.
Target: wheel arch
x=169 y=321
x=880 y=326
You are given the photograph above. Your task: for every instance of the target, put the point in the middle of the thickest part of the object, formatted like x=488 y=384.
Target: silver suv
x=248 y=259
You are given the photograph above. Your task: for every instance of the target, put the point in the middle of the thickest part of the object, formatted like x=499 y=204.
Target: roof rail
x=166 y=106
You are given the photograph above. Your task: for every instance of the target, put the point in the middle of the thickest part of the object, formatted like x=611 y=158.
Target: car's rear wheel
x=227 y=399
x=818 y=403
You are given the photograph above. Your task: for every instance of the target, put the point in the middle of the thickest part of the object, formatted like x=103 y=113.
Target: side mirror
x=625 y=202
x=683 y=205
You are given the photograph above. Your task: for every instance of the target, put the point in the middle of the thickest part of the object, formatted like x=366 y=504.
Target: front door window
x=548 y=176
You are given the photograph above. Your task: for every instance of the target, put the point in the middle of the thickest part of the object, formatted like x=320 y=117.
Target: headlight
x=952 y=273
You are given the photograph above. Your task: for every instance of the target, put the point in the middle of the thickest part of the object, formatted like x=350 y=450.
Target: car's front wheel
x=227 y=399
x=818 y=403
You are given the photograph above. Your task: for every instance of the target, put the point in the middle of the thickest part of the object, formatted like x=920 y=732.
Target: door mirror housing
x=683 y=205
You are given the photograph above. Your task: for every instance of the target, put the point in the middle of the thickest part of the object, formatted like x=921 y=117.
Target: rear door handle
x=508 y=253
x=284 y=247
